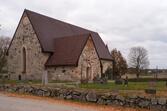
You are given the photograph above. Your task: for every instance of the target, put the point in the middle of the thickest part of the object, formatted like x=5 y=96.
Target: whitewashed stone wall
x=35 y=59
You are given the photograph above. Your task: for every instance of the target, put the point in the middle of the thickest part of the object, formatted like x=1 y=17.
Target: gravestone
x=45 y=77
x=151 y=89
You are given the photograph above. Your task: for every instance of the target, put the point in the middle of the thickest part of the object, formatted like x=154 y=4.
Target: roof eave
x=61 y=65
x=107 y=59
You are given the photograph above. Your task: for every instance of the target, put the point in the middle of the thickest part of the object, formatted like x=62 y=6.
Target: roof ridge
x=48 y=29
x=29 y=11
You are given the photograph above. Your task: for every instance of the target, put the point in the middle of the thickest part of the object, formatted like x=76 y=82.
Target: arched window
x=24 y=60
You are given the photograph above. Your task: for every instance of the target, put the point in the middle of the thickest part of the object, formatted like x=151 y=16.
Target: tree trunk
x=137 y=75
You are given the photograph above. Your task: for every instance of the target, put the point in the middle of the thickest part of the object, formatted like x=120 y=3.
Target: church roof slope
x=67 y=50
x=49 y=29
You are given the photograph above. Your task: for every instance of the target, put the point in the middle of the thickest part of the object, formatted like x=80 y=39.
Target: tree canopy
x=4 y=43
x=138 y=59
x=120 y=64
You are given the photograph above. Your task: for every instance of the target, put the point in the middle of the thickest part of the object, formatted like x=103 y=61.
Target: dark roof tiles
x=67 y=50
x=48 y=29
x=64 y=41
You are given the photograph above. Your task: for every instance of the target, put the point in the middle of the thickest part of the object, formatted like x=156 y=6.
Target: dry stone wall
x=152 y=103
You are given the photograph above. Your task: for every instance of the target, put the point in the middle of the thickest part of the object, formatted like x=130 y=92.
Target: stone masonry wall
x=35 y=59
x=152 y=103
x=106 y=64
x=89 y=62
x=88 y=58
x=25 y=37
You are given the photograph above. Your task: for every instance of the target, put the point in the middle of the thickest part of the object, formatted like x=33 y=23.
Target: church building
x=66 y=52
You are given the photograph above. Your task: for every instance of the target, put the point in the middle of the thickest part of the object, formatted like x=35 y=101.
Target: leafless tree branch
x=138 y=59
x=4 y=43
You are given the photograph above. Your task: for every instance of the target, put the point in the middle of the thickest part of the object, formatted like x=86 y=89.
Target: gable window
x=24 y=60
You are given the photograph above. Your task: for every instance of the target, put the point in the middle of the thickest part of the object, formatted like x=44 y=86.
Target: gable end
x=23 y=15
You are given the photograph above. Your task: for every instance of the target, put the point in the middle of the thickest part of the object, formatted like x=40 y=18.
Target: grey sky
x=121 y=23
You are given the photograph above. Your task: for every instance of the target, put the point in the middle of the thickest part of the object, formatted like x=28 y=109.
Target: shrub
x=84 y=81
x=108 y=73
x=101 y=80
x=119 y=81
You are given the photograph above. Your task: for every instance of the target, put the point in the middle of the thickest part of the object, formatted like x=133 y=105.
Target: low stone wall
x=155 y=104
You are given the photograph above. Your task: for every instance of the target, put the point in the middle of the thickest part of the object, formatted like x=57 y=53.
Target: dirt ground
x=58 y=102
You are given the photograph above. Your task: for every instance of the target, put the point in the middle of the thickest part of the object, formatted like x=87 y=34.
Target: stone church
x=62 y=50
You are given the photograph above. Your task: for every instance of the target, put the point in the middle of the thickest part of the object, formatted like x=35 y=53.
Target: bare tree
x=138 y=59
x=120 y=64
x=4 y=43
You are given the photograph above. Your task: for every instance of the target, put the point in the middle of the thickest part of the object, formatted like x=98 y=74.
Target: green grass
x=131 y=86
x=159 y=86
x=19 y=82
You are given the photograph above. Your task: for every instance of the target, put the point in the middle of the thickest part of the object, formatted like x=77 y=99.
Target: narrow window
x=19 y=77
x=24 y=60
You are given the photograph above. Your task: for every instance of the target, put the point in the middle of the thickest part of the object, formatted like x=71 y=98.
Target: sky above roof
x=122 y=24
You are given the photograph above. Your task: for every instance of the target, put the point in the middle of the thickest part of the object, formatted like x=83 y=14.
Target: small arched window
x=24 y=60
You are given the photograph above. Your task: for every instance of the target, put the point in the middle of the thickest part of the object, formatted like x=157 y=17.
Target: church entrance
x=86 y=73
x=89 y=74
x=19 y=77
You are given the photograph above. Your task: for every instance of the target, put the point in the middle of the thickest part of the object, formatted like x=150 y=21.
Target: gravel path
x=17 y=102
x=8 y=103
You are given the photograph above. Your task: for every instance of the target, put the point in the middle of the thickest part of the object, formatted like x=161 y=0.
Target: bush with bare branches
x=4 y=43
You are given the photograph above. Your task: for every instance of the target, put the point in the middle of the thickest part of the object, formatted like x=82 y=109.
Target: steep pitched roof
x=49 y=29
x=67 y=50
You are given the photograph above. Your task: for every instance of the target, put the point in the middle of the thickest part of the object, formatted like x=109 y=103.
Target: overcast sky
x=121 y=23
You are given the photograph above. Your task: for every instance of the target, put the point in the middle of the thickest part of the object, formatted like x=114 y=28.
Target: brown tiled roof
x=48 y=29
x=67 y=50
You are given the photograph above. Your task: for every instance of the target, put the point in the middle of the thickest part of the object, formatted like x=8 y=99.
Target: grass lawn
x=133 y=88
x=19 y=82
x=159 y=86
